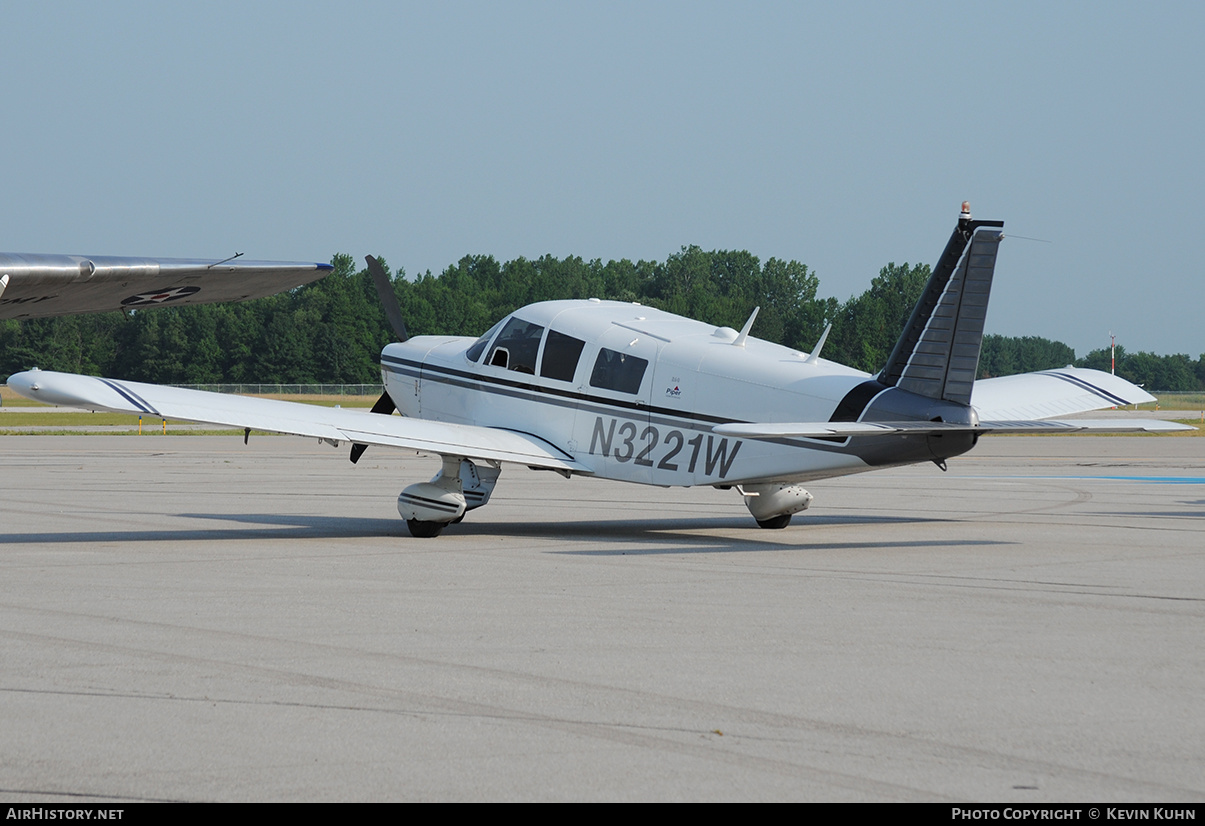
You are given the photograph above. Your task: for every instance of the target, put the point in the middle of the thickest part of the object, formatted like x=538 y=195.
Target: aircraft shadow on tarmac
x=286 y=527
x=693 y=535
x=1162 y=514
x=675 y=536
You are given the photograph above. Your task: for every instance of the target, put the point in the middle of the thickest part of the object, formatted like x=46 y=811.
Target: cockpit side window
x=561 y=353
x=618 y=371
x=474 y=352
x=517 y=346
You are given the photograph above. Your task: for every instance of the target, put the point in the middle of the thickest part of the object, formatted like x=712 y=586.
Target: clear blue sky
x=844 y=136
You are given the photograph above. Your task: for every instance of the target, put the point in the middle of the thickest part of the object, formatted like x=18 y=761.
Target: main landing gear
x=425 y=530
x=460 y=486
x=772 y=505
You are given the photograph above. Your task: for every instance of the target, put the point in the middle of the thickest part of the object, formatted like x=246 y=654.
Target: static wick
x=223 y=261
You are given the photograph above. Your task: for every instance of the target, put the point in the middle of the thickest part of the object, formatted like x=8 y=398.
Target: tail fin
x=938 y=354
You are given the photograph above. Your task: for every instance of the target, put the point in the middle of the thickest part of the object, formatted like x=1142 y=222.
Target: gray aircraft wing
x=38 y=285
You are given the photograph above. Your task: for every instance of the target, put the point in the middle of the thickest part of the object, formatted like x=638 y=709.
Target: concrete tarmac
x=188 y=619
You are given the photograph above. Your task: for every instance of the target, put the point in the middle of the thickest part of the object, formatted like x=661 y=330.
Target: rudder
x=937 y=356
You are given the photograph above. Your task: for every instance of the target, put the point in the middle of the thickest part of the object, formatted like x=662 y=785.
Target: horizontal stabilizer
x=332 y=424
x=827 y=430
x=1092 y=425
x=821 y=430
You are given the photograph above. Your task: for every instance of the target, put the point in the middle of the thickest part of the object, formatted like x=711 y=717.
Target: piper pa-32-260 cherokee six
x=626 y=392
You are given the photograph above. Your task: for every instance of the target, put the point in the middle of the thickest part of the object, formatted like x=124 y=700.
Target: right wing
x=330 y=424
x=1048 y=393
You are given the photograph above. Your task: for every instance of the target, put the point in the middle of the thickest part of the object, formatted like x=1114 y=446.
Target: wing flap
x=333 y=424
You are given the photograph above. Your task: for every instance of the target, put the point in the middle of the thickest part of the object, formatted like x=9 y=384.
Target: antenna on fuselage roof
x=814 y=356
x=739 y=341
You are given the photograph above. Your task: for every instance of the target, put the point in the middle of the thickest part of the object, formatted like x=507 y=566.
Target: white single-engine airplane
x=626 y=392
x=37 y=285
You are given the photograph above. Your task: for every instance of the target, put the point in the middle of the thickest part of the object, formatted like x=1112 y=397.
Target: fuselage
x=633 y=393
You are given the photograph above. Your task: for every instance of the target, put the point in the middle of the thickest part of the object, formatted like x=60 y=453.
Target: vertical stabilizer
x=938 y=354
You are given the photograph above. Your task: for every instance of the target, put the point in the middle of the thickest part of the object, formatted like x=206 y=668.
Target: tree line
x=332 y=331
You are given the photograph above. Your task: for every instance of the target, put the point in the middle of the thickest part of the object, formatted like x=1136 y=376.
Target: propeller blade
x=385 y=407
x=388 y=299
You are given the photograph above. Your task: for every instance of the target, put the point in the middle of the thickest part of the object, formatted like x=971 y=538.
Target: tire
x=775 y=522
x=425 y=530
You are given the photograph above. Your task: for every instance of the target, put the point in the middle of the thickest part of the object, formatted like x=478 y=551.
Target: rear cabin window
x=561 y=353
x=517 y=346
x=618 y=371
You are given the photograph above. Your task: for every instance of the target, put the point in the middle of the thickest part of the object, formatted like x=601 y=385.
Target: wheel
x=425 y=530
x=775 y=522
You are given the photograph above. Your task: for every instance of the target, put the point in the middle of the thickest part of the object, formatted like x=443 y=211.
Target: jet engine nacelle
x=772 y=505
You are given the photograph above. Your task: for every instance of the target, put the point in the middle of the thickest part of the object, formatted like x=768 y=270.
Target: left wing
x=330 y=424
x=34 y=286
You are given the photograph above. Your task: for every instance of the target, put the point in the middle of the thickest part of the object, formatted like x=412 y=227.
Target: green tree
x=868 y=326
x=1007 y=355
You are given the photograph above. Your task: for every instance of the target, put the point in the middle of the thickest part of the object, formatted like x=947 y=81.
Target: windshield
x=474 y=352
